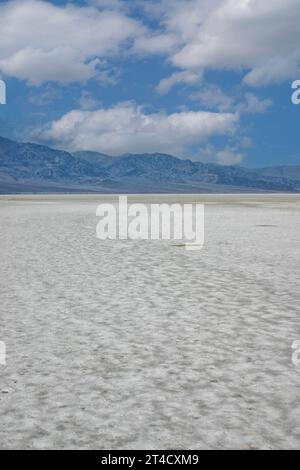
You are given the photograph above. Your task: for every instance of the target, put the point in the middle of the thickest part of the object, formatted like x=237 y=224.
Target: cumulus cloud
x=112 y=4
x=230 y=155
x=38 y=66
x=258 y=36
x=274 y=71
x=43 y=42
x=213 y=98
x=253 y=104
x=154 y=43
x=186 y=77
x=127 y=128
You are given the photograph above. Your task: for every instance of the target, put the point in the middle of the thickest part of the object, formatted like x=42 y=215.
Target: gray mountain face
x=95 y=158
x=36 y=168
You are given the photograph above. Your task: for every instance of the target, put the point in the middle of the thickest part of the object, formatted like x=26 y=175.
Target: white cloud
x=43 y=42
x=213 y=98
x=253 y=104
x=186 y=77
x=112 y=4
x=38 y=66
x=230 y=155
x=258 y=36
x=154 y=43
x=126 y=128
x=274 y=71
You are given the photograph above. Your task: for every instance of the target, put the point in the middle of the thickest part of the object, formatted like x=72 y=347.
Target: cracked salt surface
x=127 y=345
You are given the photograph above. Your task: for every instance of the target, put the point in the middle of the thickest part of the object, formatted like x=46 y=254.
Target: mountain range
x=33 y=168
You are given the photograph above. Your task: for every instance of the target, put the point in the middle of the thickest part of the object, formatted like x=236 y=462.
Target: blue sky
x=204 y=79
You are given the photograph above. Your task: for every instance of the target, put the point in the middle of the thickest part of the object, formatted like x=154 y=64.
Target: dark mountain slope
x=37 y=168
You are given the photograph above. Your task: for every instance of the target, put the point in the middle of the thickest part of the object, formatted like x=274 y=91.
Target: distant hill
x=95 y=158
x=28 y=168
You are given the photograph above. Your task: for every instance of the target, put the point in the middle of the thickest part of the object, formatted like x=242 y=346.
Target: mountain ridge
x=30 y=167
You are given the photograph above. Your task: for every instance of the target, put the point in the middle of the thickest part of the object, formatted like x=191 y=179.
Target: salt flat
x=123 y=344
